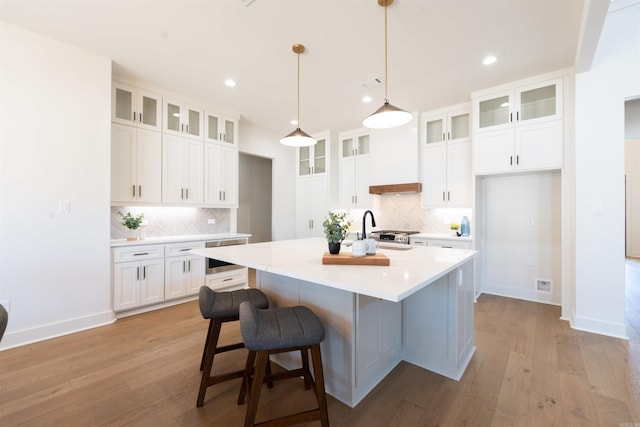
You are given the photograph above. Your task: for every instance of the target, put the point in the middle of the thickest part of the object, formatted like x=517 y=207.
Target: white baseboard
x=524 y=294
x=615 y=330
x=57 y=329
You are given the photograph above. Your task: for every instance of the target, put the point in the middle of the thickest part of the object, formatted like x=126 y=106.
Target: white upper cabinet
x=519 y=129
x=220 y=176
x=219 y=128
x=136 y=165
x=446 y=157
x=529 y=104
x=182 y=120
x=136 y=107
x=312 y=160
x=182 y=170
x=354 y=170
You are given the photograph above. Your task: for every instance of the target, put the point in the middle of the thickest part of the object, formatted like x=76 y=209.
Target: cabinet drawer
x=181 y=249
x=133 y=253
x=236 y=279
x=444 y=243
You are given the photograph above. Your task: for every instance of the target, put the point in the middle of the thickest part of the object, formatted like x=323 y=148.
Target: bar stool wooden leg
x=256 y=386
x=210 y=352
x=304 y=353
x=319 y=384
x=206 y=341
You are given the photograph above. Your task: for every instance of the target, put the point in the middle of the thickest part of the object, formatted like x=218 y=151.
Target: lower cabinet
x=138 y=276
x=228 y=280
x=184 y=274
x=149 y=274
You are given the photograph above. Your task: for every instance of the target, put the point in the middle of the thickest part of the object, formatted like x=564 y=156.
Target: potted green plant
x=335 y=230
x=132 y=222
x=455 y=227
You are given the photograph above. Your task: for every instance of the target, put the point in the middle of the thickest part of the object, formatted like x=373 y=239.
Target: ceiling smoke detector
x=372 y=83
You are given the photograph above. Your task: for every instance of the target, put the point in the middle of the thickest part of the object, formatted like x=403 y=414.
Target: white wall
x=599 y=179
x=522 y=231
x=262 y=142
x=54 y=145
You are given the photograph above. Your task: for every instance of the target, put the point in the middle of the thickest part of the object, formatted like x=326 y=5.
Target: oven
x=392 y=236
x=215 y=266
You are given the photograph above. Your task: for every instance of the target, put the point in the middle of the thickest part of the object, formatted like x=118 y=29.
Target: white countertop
x=177 y=239
x=441 y=236
x=409 y=270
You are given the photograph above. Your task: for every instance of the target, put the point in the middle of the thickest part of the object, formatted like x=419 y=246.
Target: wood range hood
x=411 y=187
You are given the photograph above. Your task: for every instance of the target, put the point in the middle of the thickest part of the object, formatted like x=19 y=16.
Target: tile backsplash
x=172 y=221
x=404 y=212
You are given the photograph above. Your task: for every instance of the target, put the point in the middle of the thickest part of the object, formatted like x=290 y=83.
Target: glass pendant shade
x=298 y=138
x=387 y=116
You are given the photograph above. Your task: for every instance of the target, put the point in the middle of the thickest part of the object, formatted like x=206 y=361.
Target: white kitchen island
x=418 y=309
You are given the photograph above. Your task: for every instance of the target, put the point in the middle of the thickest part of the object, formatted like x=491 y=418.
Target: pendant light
x=387 y=116
x=298 y=138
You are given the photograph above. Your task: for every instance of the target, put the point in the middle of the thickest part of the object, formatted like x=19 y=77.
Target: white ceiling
x=435 y=49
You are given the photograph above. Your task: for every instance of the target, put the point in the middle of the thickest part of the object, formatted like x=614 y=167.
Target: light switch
x=64 y=206
x=597 y=208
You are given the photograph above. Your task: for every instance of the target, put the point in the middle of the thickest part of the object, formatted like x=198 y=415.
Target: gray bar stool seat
x=220 y=307
x=280 y=330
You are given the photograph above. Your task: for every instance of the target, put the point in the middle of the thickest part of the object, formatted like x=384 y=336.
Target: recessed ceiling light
x=230 y=83
x=489 y=60
x=366 y=99
x=294 y=122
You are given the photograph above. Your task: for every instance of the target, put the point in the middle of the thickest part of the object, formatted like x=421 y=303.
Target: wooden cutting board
x=347 y=259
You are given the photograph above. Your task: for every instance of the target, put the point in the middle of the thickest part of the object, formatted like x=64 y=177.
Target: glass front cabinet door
x=312 y=160
x=220 y=129
x=182 y=120
x=534 y=103
x=135 y=107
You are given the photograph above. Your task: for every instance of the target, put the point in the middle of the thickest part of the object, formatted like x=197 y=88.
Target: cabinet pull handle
x=140 y=117
x=187 y=126
x=144 y=272
x=518 y=159
x=181 y=127
x=189 y=265
x=449 y=136
x=184 y=267
x=182 y=193
x=518 y=116
x=511 y=160
x=227 y=279
x=139 y=190
x=448 y=196
x=134 y=190
x=137 y=273
x=510 y=117
x=185 y=249
x=141 y=253
x=443 y=196
x=134 y=116
x=443 y=137
x=187 y=193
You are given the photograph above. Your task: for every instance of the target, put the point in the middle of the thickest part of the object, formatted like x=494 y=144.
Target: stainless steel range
x=392 y=236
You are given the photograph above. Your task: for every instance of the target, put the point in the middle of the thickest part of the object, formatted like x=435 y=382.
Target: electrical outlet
x=531 y=222
x=64 y=206
x=543 y=285
x=211 y=221
x=5 y=303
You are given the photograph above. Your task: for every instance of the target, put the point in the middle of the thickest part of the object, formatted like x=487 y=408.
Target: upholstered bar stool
x=220 y=307
x=280 y=330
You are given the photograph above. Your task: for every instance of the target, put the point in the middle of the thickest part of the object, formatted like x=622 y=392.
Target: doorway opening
x=255 y=197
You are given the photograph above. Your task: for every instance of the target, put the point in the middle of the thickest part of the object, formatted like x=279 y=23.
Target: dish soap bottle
x=465 y=229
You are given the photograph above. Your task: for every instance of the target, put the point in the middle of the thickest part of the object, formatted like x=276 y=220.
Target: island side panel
x=438 y=324
x=336 y=310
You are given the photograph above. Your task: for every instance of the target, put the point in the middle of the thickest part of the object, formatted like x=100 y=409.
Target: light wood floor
x=530 y=369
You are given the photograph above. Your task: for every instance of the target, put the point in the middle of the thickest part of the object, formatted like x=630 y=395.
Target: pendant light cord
x=385 y=54
x=298 y=105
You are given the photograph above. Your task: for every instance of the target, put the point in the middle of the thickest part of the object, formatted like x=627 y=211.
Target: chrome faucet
x=373 y=223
